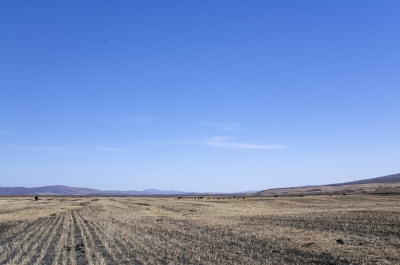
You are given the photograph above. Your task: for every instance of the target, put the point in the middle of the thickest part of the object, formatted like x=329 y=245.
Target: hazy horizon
x=204 y=96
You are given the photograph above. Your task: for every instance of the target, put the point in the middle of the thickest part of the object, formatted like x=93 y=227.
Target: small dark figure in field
x=36 y=198
x=179 y=198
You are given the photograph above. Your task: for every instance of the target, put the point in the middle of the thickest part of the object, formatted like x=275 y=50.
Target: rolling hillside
x=65 y=190
x=382 y=185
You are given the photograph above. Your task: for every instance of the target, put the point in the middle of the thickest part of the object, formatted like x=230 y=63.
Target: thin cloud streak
x=5 y=132
x=38 y=148
x=58 y=149
x=166 y=142
x=238 y=145
x=223 y=141
x=111 y=149
x=224 y=126
x=139 y=119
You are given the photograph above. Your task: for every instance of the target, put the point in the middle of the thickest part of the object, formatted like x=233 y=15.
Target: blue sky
x=198 y=95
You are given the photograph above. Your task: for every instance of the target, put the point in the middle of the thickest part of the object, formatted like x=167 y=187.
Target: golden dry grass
x=354 y=229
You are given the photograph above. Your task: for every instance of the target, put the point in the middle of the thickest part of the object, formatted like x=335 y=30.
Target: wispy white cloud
x=111 y=149
x=5 y=132
x=224 y=126
x=167 y=142
x=223 y=141
x=38 y=148
x=138 y=119
x=59 y=149
x=226 y=142
x=222 y=138
x=75 y=152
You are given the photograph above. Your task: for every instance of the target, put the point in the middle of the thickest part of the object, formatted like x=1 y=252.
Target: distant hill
x=385 y=179
x=382 y=185
x=65 y=190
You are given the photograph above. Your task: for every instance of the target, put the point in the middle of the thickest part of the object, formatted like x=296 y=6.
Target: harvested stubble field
x=356 y=229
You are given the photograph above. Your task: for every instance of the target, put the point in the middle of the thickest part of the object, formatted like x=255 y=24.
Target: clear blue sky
x=198 y=95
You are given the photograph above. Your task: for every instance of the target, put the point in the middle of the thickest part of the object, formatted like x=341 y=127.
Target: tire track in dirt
x=83 y=245
x=32 y=244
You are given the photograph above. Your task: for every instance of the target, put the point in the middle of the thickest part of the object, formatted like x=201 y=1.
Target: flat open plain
x=352 y=229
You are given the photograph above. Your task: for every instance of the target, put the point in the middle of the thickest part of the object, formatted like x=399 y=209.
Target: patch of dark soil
x=80 y=248
x=6 y=226
x=141 y=204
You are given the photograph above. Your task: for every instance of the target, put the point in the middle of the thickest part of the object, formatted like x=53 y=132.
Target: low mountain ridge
x=389 y=184
x=385 y=179
x=66 y=190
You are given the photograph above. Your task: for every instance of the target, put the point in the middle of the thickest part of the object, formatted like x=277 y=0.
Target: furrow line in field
x=39 y=244
x=101 y=245
x=128 y=254
x=136 y=255
x=47 y=253
x=109 y=246
x=171 y=236
x=83 y=246
x=25 y=226
x=19 y=242
x=99 y=259
x=22 y=237
x=61 y=247
x=72 y=254
x=31 y=245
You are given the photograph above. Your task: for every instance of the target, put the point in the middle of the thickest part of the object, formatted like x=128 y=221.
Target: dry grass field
x=355 y=229
x=360 y=189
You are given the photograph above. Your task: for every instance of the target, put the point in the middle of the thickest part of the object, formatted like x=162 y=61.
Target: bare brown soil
x=355 y=229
